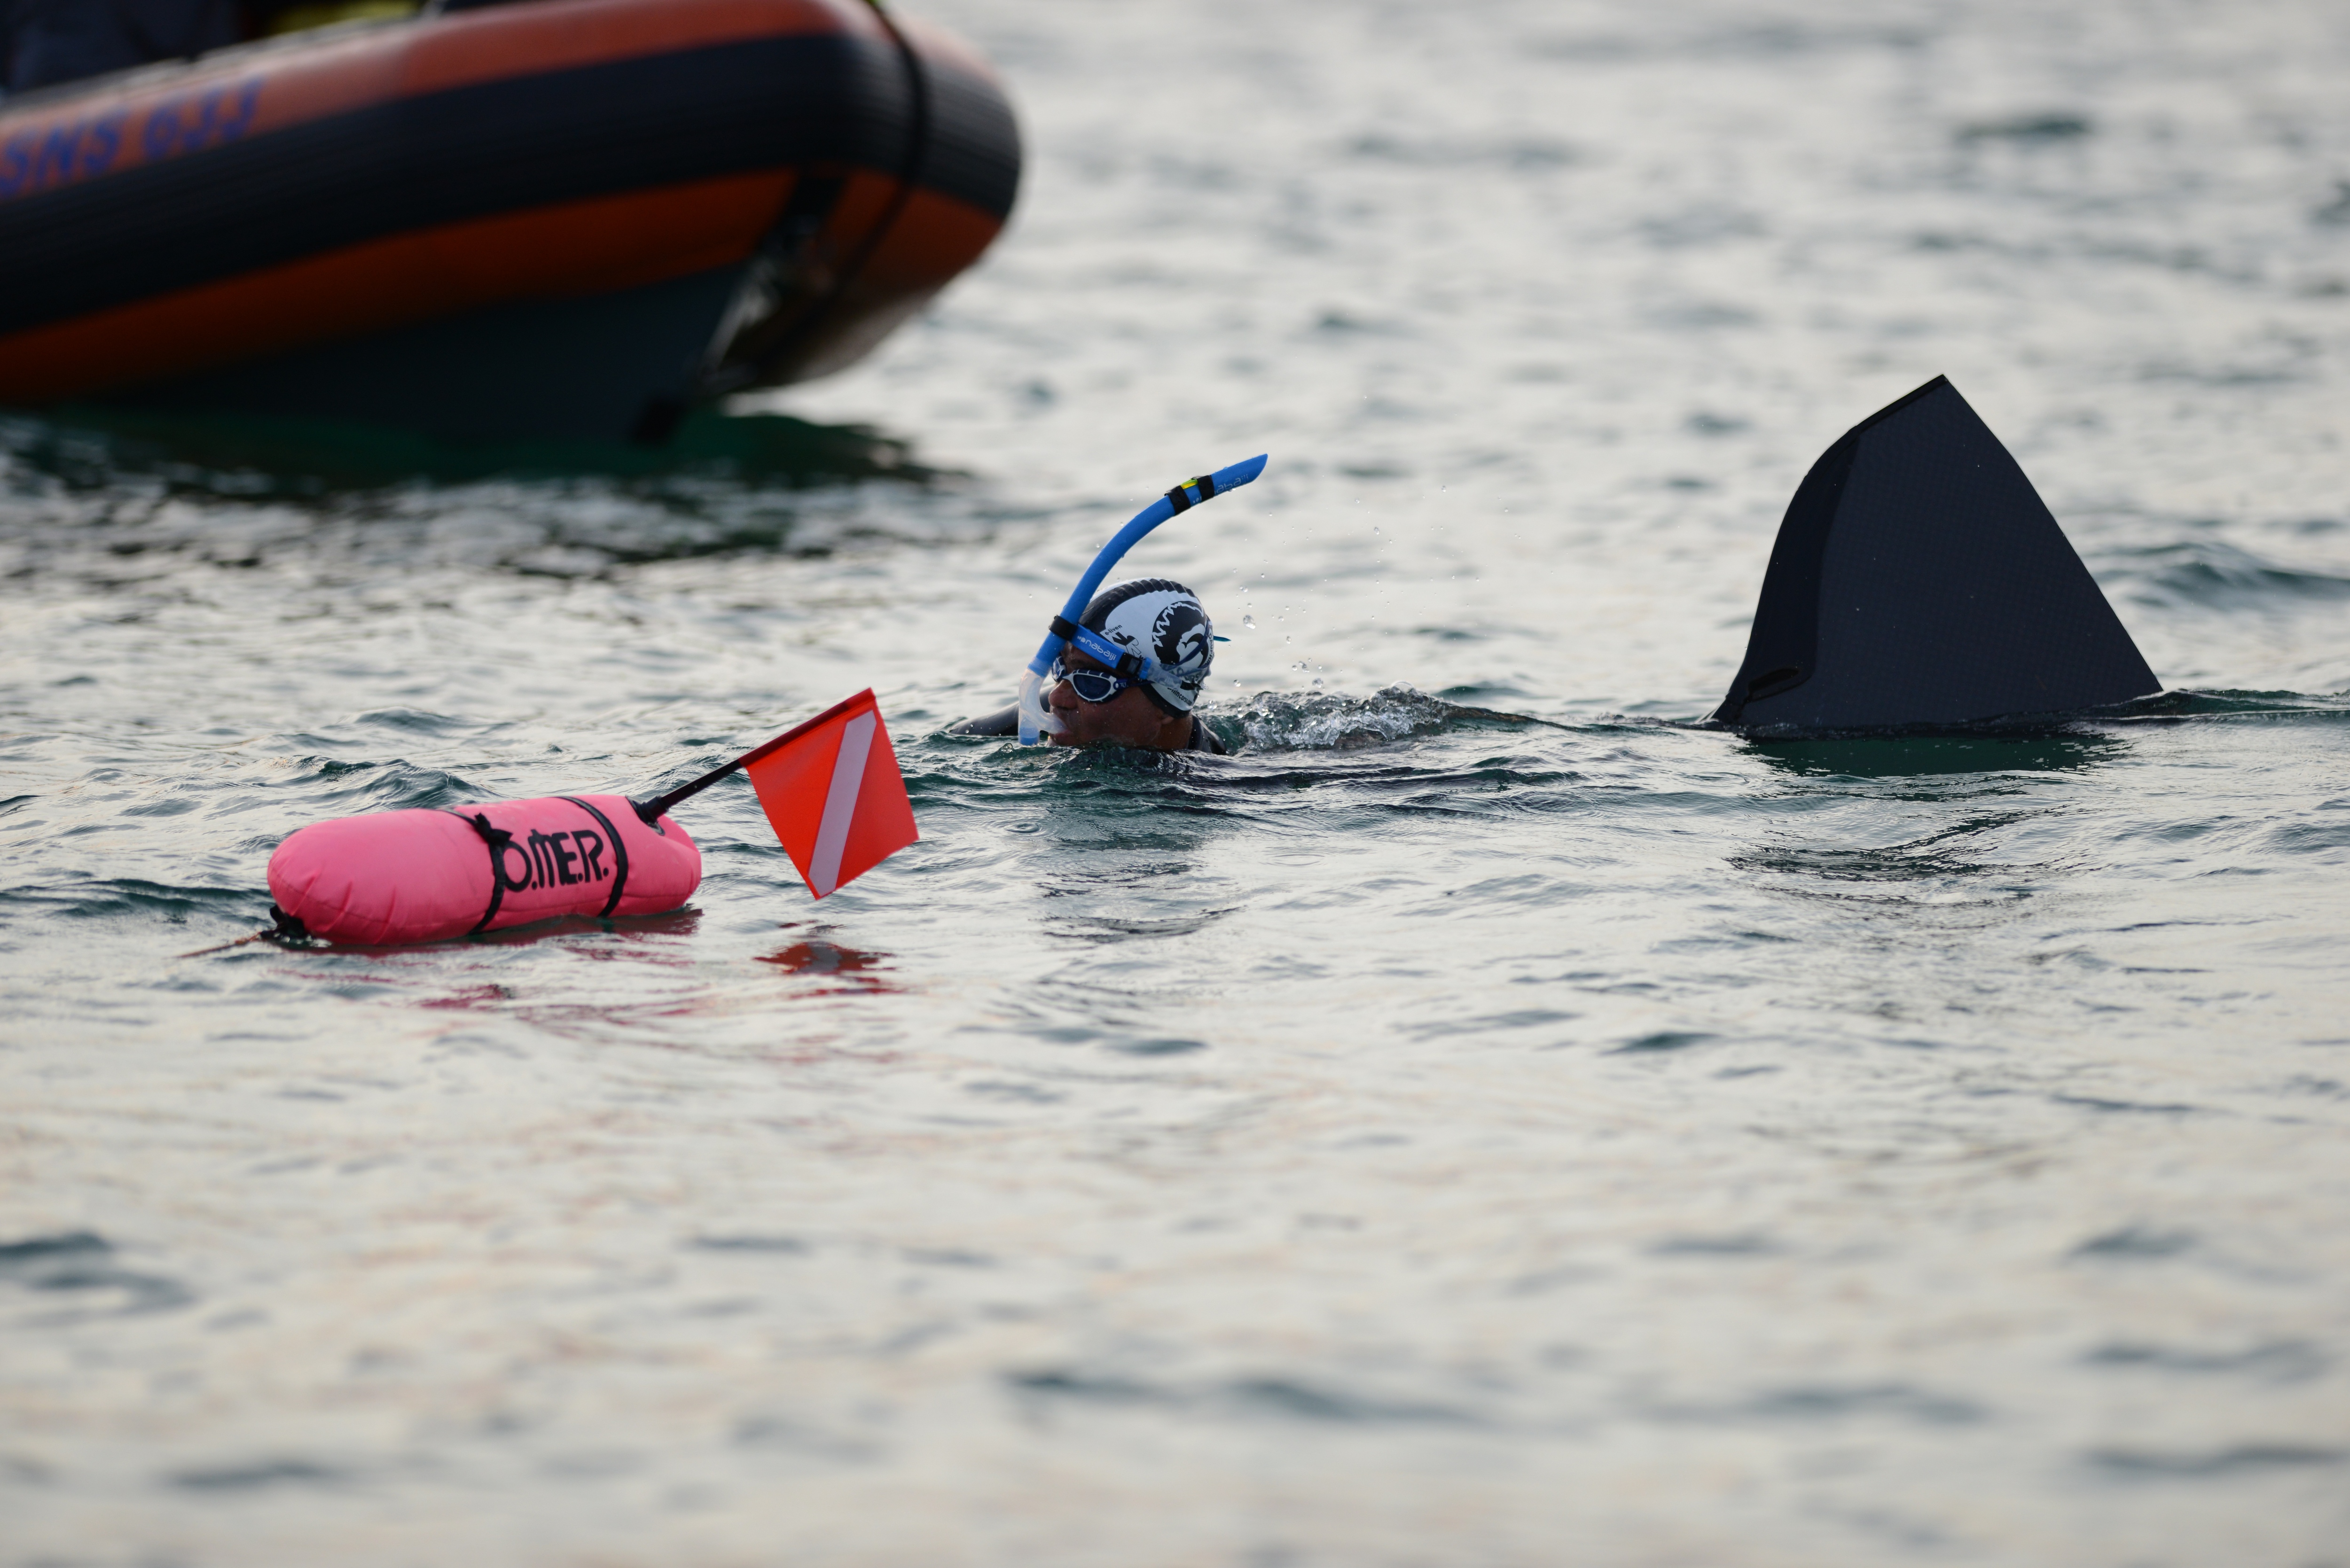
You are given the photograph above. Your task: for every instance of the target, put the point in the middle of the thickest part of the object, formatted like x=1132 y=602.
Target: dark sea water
x=1483 y=1121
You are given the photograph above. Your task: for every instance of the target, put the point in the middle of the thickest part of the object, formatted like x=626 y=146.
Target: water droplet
x=1317 y=681
x=1249 y=621
x=1284 y=637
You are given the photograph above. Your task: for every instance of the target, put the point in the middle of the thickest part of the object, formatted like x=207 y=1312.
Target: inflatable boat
x=569 y=218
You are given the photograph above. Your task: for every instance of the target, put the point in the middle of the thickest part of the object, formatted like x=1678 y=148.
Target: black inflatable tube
x=1919 y=581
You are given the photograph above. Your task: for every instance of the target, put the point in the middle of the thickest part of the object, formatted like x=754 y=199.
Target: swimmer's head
x=1161 y=621
x=1151 y=618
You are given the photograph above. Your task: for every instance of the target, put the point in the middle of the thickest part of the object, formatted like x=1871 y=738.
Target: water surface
x=1484 y=1119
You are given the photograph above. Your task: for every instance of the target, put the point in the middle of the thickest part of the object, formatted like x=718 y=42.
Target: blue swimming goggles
x=1120 y=669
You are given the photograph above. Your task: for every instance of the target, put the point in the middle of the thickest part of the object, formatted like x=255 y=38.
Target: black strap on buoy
x=620 y=854
x=500 y=841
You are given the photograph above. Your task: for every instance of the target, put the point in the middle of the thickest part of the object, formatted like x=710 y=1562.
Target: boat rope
x=764 y=357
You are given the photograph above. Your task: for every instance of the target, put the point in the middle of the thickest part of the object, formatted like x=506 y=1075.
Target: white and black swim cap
x=1165 y=621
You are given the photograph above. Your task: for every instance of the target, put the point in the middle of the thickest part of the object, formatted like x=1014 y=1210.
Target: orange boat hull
x=569 y=217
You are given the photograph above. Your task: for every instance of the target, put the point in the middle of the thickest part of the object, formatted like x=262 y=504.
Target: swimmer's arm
x=1005 y=721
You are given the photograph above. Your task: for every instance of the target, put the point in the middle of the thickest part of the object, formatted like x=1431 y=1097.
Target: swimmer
x=1130 y=667
x=1131 y=677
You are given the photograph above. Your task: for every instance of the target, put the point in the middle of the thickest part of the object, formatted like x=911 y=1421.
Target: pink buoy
x=426 y=876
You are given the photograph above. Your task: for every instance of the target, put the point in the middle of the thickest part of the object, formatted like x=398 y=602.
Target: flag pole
x=651 y=811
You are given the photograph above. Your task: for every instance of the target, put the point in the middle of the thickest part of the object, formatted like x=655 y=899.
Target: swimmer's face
x=1129 y=719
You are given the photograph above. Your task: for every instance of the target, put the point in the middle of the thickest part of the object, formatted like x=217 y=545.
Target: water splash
x=1308 y=721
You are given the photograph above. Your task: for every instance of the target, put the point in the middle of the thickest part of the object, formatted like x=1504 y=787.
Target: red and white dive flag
x=833 y=794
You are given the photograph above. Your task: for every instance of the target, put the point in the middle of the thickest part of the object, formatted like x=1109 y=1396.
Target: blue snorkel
x=1037 y=720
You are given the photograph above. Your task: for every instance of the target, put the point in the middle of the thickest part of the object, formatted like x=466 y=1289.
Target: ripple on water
x=77 y=1278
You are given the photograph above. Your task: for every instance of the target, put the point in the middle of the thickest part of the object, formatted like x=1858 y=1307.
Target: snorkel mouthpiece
x=1037 y=720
